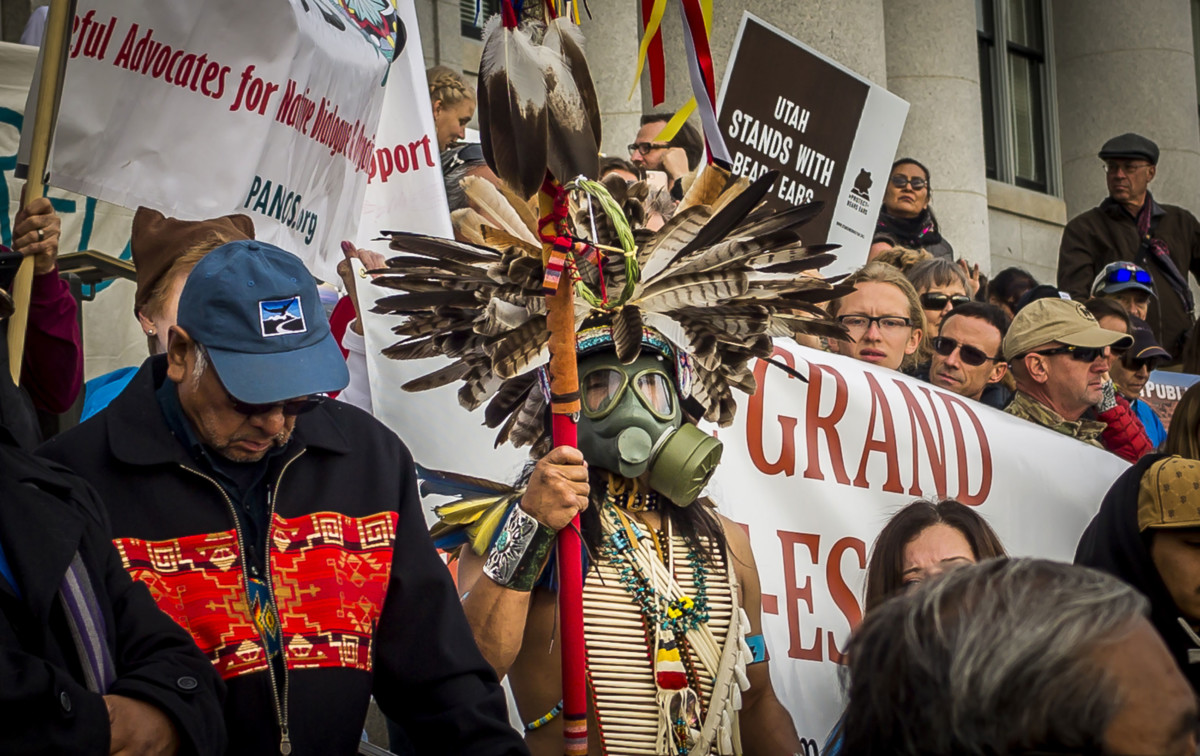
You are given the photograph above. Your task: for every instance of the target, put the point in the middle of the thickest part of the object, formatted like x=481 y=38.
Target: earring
x=150 y=332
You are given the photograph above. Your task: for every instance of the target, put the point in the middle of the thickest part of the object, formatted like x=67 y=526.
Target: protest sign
x=1163 y=392
x=829 y=132
x=111 y=336
x=201 y=109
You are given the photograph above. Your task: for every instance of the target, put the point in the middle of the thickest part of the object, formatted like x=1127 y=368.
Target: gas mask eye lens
x=655 y=389
x=601 y=389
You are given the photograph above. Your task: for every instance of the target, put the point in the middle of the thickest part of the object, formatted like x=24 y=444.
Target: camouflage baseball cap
x=1169 y=495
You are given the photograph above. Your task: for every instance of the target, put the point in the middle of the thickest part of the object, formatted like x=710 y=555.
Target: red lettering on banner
x=786 y=463
x=151 y=58
x=835 y=583
x=842 y=596
x=886 y=445
x=91 y=38
x=400 y=159
x=795 y=593
x=935 y=452
x=985 y=452
x=828 y=425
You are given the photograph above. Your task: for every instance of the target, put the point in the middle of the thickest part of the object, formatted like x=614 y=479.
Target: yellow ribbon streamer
x=676 y=123
x=656 y=17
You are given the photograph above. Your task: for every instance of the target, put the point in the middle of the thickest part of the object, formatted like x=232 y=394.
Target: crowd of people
x=229 y=556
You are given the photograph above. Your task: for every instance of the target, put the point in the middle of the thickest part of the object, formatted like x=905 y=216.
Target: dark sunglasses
x=1125 y=275
x=291 y=407
x=1134 y=365
x=973 y=356
x=937 y=301
x=916 y=182
x=645 y=148
x=1079 y=354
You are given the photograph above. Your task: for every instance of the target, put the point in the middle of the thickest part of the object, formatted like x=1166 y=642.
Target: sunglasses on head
x=937 y=301
x=291 y=407
x=1078 y=353
x=1125 y=275
x=916 y=182
x=973 y=356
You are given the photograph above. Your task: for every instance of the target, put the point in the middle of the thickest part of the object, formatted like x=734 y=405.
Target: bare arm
x=766 y=726
x=558 y=489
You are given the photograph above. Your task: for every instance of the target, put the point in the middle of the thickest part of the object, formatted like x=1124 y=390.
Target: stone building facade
x=1010 y=99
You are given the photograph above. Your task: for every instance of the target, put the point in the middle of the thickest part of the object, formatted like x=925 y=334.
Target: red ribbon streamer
x=654 y=57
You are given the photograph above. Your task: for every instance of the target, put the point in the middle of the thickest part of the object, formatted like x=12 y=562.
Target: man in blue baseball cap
x=282 y=530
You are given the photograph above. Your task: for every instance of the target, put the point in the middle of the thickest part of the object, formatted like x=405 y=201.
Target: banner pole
x=54 y=60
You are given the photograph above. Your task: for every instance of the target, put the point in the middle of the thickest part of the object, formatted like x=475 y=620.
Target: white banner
x=814 y=470
x=200 y=109
x=829 y=132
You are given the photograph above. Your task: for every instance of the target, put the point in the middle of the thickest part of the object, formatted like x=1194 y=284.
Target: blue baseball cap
x=256 y=310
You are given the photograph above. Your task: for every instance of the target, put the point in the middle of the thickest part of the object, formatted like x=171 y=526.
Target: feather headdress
x=720 y=280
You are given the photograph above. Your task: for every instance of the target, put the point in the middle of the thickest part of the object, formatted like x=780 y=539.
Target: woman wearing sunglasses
x=941 y=286
x=906 y=219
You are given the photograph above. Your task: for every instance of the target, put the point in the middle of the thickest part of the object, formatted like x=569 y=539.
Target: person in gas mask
x=654 y=544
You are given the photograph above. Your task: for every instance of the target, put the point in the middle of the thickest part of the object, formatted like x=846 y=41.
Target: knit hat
x=158 y=241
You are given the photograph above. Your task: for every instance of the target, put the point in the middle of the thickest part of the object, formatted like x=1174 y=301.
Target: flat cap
x=1130 y=146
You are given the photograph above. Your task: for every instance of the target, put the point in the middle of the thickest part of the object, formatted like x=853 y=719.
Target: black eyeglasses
x=862 y=323
x=937 y=301
x=645 y=148
x=1078 y=353
x=973 y=356
x=916 y=182
x=291 y=407
x=1125 y=275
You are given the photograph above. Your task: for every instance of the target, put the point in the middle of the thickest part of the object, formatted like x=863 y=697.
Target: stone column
x=1123 y=69
x=933 y=63
x=612 y=46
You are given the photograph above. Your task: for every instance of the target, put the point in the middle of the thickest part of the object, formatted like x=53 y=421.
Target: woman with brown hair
x=1183 y=434
x=922 y=540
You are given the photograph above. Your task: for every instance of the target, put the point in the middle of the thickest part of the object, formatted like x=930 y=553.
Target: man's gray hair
x=990 y=659
x=200 y=365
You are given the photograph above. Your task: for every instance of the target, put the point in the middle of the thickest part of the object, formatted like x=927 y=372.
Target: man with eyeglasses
x=966 y=354
x=283 y=531
x=675 y=157
x=1060 y=357
x=1130 y=226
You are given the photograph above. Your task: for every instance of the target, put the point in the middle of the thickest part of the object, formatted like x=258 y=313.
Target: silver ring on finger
x=41 y=235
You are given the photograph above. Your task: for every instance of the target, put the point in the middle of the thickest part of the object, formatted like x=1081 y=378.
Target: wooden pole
x=54 y=47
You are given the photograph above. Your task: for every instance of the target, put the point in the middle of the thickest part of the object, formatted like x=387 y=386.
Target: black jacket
x=1107 y=234
x=47 y=516
x=1112 y=543
x=364 y=603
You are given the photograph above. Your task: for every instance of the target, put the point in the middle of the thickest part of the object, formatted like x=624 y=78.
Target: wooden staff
x=54 y=60
x=564 y=408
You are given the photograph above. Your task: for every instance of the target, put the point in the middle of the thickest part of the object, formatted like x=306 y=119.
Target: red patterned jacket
x=364 y=603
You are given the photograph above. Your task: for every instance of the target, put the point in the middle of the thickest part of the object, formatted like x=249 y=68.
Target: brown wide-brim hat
x=158 y=241
x=1057 y=320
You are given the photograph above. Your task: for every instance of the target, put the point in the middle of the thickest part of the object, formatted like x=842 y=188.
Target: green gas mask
x=632 y=423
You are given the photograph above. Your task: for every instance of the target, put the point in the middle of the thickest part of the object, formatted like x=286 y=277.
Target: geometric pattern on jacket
x=329 y=576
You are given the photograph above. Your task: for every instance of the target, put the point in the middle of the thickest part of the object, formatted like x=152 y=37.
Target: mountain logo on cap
x=281 y=317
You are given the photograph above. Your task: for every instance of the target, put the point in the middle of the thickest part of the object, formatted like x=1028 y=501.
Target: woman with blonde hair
x=883 y=317
x=453 y=102
x=1183 y=434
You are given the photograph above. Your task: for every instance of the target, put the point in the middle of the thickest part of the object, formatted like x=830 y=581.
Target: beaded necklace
x=630 y=494
x=665 y=621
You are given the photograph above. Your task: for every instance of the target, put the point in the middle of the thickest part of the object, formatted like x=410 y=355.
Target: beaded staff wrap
x=520 y=552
